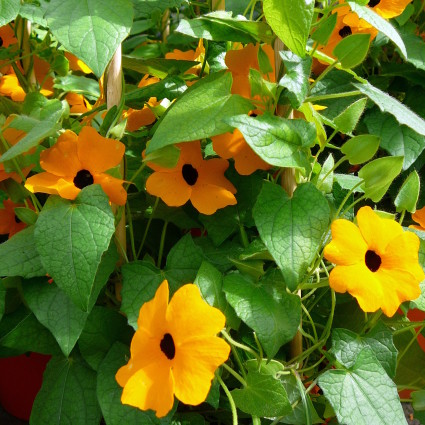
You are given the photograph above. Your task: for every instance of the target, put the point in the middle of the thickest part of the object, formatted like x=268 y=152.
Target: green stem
x=161 y=244
x=403 y=213
x=321 y=284
x=354 y=203
x=135 y=175
x=323 y=74
x=314 y=99
x=231 y=401
x=400 y=356
x=241 y=346
x=235 y=374
x=301 y=389
x=131 y=231
x=148 y=225
x=244 y=236
x=337 y=164
x=350 y=192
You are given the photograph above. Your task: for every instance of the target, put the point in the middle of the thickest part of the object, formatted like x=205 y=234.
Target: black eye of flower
x=83 y=179
x=373 y=260
x=190 y=174
x=167 y=346
x=373 y=3
x=1 y=42
x=345 y=31
x=17 y=220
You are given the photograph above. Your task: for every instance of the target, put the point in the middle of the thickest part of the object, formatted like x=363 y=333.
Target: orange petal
x=227 y=145
x=55 y=185
x=96 y=153
x=419 y=217
x=207 y=198
x=189 y=55
x=212 y=173
x=7 y=36
x=241 y=86
x=247 y=161
x=112 y=187
x=76 y=64
x=190 y=153
x=390 y=8
x=78 y=104
x=170 y=187
x=194 y=367
x=139 y=118
x=61 y=159
x=7 y=217
x=9 y=86
x=240 y=61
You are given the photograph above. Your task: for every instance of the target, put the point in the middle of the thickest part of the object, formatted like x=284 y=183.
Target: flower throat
x=373 y=260
x=189 y=174
x=373 y=3
x=82 y=179
x=167 y=346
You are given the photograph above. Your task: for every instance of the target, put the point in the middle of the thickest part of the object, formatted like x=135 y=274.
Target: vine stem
x=231 y=401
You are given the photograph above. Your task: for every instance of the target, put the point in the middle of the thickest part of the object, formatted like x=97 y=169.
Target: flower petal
x=347 y=246
x=208 y=198
x=390 y=8
x=150 y=388
x=9 y=86
x=170 y=187
x=96 y=153
x=189 y=316
x=247 y=161
x=194 y=367
x=112 y=187
x=55 y=185
x=139 y=118
x=240 y=61
x=211 y=172
x=190 y=153
x=419 y=217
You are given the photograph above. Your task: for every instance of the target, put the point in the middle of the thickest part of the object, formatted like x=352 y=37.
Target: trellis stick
x=23 y=31
x=218 y=5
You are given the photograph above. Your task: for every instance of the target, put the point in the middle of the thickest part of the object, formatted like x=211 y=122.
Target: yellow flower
x=175 y=351
x=195 y=179
x=376 y=262
x=76 y=64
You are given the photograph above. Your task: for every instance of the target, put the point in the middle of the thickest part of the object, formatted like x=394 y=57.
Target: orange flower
x=233 y=145
x=137 y=118
x=75 y=162
x=78 y=104
x=9 y=222
x=76 y=64
x=12 y=136
x=7 y=36
x=195 y=179
x=190 y=55
x=175 y=351
x=419 y=217
x=241 y=61
x=386 y=8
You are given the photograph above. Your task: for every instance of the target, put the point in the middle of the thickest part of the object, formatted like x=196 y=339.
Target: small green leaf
x=326 y=183
x=8 y=11
x=408 y=194
x=78 y=84
x=68 y=391
x=292 y=228
x=351 y=50
x=278 y=141
x=165 y=157
x=199 y=112
x=55 y=311
x=296 y=77
x=363 y=393
x=291 y=21
x=263 y=396
x=379 y=174
x=418 y=400
x=275 y=319
x=147 y=8
x=26 y=215
x=379 y=23
x=19 y=255
x=91 y=29
x=78 y=232
x=347 y=120
x=360 y=149
x=324 y=30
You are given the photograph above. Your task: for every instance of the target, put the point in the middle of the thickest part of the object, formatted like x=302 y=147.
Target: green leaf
x=408 y=194
x=91 y=29
x=19 y=255
x=220 y=26
x=21 y=330
x=326 y=176
x=147 y=8
x=363 y=393
x=292 y=228
x=166 y=157
x=346 y=121
x=291 y=21
x=379 y=23
x=78 y=84
x=360 y=149
x=378 y=176
x=346 y=346
x=396 y=139
x=351 y=50
x=41 y=122
x=78 y=232
x=263 y=396
x=418 y=400
x=415 y=47
x=55 y=311
x=324 y=30
x=3 y=292
x=26 y=215
x=200 y=112
x=35 y=11
x=68 y=391
x=275 y=319
x=296 y=77
x=103 y=328
x=210 y=282
x=109 y=393
x=8 y=11
x=278 y=141
x=389 y=104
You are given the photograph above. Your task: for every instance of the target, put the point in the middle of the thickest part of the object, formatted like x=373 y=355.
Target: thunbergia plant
x=211 y=210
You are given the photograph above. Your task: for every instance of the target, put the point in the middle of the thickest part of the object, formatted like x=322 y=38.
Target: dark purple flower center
x=17 y=220
x=345 y=31
x=373 y=260
x=373 y=3
x=83 y=179
x=190 y=174
x=1 y=42
x=167 y=346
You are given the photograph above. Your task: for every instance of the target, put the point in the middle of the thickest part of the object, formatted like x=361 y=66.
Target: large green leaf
x=292 y=228
x=415 y=47
x=363 y=393
x=200 y=112
x=8 y=11
x=19 y=256
x=148 y=8
x=3 y=292
x=274 y=318
x=391 y=105
x=78 y=233
x=68 y=394
x=278 y=141
x=55 y=310
x=379 y=23
x=352 y=50
x=291 y=21
x=109 y=393
x=91 y=29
